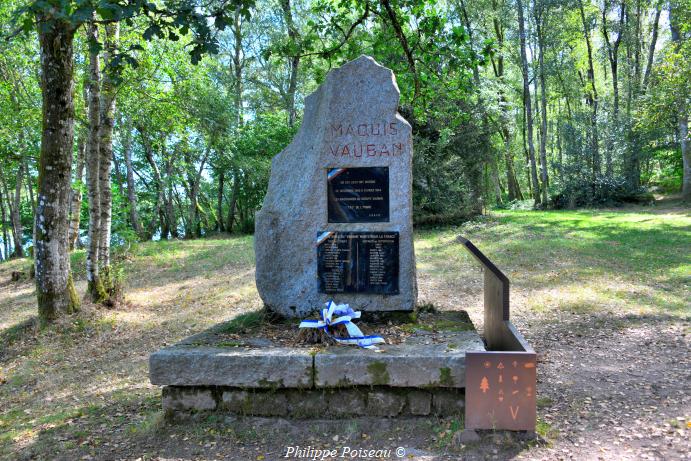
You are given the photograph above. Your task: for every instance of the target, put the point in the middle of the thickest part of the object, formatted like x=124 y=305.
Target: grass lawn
x=80 y=388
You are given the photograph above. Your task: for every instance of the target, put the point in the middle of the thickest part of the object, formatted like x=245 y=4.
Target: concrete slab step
x=425 y=360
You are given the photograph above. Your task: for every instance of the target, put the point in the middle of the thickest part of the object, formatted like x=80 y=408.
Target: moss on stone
x=271 y=385
x=445 y=377
x=378 y=373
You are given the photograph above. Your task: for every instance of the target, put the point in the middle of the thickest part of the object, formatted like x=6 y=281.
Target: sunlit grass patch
x=244 y=323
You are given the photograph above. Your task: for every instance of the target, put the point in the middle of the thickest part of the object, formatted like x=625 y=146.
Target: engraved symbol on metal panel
x=484 y=385
x=493 y=402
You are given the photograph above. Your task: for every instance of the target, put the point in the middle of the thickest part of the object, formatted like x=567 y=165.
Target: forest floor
x=603 y=296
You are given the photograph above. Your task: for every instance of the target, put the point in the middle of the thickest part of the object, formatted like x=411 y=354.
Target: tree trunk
x=651 y=48
x=685 y=155
x=160 y=200
x=76 y=199
x=119 y=179
x=682 y=115
x=17 y=229
x=169 y=205
x=233 y=202
x=194 y=180
x=613 y=56
x=512 y=184
x=131 y=191
x=30 y=187
x=107 y=105
x=10 y=250
x=238 y=66
x=592 y=98
x=55 y=290
x=496 y=183
x=5 y=237
x=543 y=108
x=527 y=104
x=93 y=159
x=293 y=63
x=220 y=225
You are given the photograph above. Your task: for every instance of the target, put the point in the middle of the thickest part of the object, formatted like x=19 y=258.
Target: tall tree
x=527 y=102
x=129 y=172
x=93 y=170
x=54 y=286
x=651 y=47
x=591 y=97
x=682 y=99
x=540 y=21
x=293 y=61
x=105 y=148
x=513 y=186
x=613 y=57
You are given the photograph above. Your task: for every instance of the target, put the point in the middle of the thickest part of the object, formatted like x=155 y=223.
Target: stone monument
x=337 y=218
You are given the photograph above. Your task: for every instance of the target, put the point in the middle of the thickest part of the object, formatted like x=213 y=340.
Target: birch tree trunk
x=54 y=286
x=93 y=158
x=528 y=106
x=105 y=135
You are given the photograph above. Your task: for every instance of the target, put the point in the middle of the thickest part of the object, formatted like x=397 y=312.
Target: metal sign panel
x=500 y=390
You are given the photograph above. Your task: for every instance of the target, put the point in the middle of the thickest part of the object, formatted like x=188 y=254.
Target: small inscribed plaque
x=358 y=194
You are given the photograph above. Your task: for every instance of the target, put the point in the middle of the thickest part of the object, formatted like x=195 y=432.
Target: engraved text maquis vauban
x=366 y=147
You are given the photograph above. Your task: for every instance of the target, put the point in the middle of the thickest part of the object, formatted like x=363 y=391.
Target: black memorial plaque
x=358 y=194
x=358 y=262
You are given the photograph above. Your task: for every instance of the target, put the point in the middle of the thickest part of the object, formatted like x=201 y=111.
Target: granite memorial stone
x=337 y=217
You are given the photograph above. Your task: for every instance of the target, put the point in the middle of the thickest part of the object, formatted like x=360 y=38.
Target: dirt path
x=614 y=387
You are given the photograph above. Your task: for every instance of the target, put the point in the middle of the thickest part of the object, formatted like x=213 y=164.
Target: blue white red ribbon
x=342 y=314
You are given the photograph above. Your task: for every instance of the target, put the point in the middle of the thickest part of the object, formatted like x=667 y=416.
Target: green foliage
x=582 y=192
x=189 y=126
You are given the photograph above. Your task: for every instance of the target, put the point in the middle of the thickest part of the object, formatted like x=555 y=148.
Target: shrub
x=603 y=191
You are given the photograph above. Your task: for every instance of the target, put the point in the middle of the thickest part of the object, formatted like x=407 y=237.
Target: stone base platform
x=383 y=401
x=423 y=374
